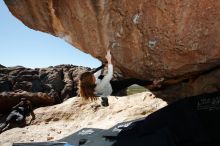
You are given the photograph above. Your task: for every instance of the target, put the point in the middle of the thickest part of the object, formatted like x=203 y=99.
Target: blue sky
x=20 y=45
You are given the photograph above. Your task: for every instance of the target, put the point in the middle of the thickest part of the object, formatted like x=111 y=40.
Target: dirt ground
x=58 y=121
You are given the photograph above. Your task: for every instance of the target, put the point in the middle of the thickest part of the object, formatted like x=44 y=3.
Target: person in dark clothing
x=18 y=113
x=95 y=83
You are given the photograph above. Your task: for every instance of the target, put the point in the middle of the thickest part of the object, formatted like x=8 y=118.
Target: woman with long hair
x=93 y=84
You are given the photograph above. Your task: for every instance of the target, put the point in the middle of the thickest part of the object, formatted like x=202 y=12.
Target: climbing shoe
x=104 y=101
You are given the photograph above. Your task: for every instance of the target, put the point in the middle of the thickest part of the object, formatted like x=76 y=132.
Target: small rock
x=50 y=138
x=52 y=129
x=56 y=119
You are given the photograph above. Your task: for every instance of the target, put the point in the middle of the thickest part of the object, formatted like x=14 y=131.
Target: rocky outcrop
x=1 y=66
x=43 y=86
x=10 y=99
x=177 y=40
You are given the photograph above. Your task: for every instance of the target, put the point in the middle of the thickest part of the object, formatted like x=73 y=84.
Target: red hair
x=87 y=86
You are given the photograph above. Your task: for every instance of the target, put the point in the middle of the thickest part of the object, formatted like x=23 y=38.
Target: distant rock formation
x=1 y=66
x=43 y=86
x=177 y=40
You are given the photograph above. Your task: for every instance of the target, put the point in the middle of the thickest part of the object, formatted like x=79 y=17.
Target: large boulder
x=177 y=40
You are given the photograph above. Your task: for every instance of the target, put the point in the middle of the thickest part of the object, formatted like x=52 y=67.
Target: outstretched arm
x=109 y=57
x=98 y=69
x=109 y=75
x=97 y=72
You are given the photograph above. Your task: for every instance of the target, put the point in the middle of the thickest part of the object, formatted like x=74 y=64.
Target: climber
x=18 y=113
x=93 y=84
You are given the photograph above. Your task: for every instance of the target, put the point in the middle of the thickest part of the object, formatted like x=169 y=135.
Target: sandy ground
x=58 y=121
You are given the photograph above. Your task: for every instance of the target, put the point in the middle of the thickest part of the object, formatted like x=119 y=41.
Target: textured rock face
x=148 y=39
x=43 y=86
